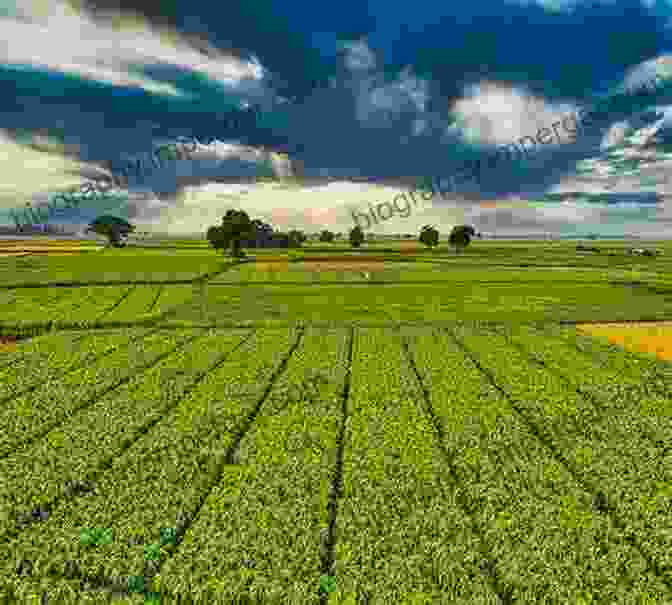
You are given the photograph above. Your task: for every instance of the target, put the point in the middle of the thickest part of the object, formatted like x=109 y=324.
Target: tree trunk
x=236 y=248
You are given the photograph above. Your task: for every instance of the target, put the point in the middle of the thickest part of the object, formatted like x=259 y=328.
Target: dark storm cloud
x=353 y=90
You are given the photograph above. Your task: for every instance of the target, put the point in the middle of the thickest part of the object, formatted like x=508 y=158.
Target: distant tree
x=429 y=236
x=326 y=236
x=460 y=236
x=216 y=238
x=356 y=236
x=262 y=228
x=236 y=226
x=262 y=235
x=296 y=238
x=114 y=228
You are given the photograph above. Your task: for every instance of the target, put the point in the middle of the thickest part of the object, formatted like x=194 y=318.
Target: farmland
x=385 y=426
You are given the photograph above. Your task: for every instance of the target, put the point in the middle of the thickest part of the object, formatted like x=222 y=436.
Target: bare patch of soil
x=8 y=343
x=343 y=266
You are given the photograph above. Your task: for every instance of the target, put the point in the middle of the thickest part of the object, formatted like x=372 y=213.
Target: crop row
x=135 y=306
x=391 y=271
x=462 y=466
x=400 y=534
x=402 y=302
x=175 y=421
x=39 y=432
x=68 y=304
x=636 y=369
x=129 y=265
x=546 y=541
x=622 y=397
x=51 y=357
x=260 y=530
x=25 y=302
x=87 y=304
x=607 y=455
x=40 y=346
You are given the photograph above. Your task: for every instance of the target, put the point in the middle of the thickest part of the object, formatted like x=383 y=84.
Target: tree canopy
x=327 y=236
x=429 y=236
x=236 y=226
x=238 y=230
x=356 y=236
x=112 y=227
x=460 y=236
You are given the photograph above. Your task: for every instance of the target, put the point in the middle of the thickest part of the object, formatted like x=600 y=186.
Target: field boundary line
x=208 y=276
x=125 y=282
x=159 y=291
x=123 y=297
x=328 y=548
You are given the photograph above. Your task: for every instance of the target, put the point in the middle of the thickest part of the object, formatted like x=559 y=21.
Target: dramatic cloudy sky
x=340 y=106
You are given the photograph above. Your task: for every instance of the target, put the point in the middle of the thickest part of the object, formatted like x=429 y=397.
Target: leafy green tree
x=114 y=228
x=460 y=237
x=327 y=236
x=263 y=230
x=356 y=236
x=215 y=235
x=236 y=226
x=429 y=236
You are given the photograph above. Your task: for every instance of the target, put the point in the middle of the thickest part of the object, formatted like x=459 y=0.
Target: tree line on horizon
x=238 y=231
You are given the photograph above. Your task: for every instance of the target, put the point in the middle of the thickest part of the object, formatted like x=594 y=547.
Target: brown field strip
x=649 y=337
x=344 y=259
x=322 y=266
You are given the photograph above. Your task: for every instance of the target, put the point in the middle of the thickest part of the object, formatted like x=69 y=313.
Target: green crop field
x=334 y=427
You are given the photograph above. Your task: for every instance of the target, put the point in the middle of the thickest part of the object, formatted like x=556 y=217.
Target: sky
x=306 y=113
